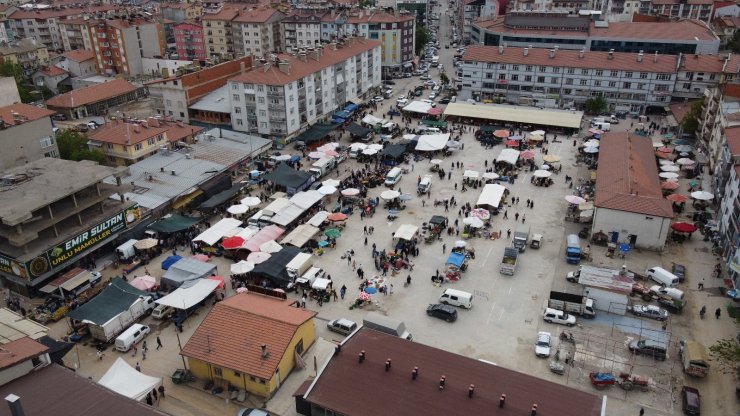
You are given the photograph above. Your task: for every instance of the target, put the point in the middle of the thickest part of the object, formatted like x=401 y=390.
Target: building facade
x=257 y=32
x=727 y=179
x=565 y=78
x=119 y=45
x=218 y=36
x=300 y=30
x=79 y=63
x=180 y=12
x=28 y=53
x=696 y=73
x=282 y=97
x=189 y=41
x=75 y=34
x=26 y=135
x=696 y=9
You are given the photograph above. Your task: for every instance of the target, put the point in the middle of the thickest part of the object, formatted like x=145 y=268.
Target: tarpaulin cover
x=217 y=231
x=221 y=197
x=173 y=224
x=271 y=232
x=431 y=142
x=300 y=235
x=491 y=196
x=394 y=151
x=57 y=349
x=418 y=107
x=186 y=270
x=509 y=156
x=316 y=133
x=169 y=261
x=351 y=107
x=127 y=381
x=357 y=130
x=456 y=259
x=284 y=175
x=342 y=115
x=117 y=297
x=406 y=232
x=372 y=120
x=434 y=123
x=184 y=298
x=274 y=267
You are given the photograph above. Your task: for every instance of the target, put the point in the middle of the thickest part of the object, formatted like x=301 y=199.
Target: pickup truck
x=576 y=304
x=520 y=240
x=508 y=263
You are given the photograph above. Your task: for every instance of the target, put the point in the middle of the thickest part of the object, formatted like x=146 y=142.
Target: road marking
x=501 y=315
x=486 y=259
x=488 y=321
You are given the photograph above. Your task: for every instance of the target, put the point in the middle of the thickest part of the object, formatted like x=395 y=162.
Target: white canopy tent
x=127 y=381
x=371 y=119
x=184 y=298
x=431 y=142
x=406 y=232
x=300 y=235
x=418 y=107
x=318 y=218
x=320 y=283
x=217 y=231
x=509 y=156
x=491 y=196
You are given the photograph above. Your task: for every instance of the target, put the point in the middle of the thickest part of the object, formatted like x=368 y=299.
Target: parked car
x=650 y=311
x=378 y=98
x=655 y=349
x=690 y=401
x=341 y=326
x=432 y=95
x=543 y=344
x=679 y=270
x=389 y=82
x=59 y=117
x=418 y=93
x=444 y=312
x=555 y=316
x=425 y=78
x=444 y=101
x=407 y=75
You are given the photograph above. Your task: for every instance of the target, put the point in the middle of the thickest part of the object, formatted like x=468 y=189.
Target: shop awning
x=183 y=298
x=173 y=223
x=186 y=199
x=316 y=132
x=221 y=197
x=434 y=123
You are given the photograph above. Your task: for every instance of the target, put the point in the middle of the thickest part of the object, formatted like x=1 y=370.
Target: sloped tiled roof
x=117 y=132
x=232 y=334
x=92 y=94
x=627 y=177
x=20 y=350
x=255 y=15
x=52 y=71
x=679 y=110
x=710 y=63
x=29 y=112
x=733 y=140
x=79 y=55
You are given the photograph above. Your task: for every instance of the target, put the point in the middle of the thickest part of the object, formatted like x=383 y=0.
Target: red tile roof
x=80 y=55
x=733 y=140
x=233 y=332
x=20 y=350
x=727 y=22
x=119 y=132
x=571 y=59
x=300 y=69
x=345 y=386
x=176 y=133
x=731 y=90
x=679 y=110
x=681 y=30
x=50 y=13
x=255 y=15
x=30 y=112
x=710 y=63
x=627 y=177
x=228 y=13
x=92 y=94
x=379 y=17
x=52 y=71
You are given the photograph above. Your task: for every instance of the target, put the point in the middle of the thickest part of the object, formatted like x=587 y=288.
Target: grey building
x=26 y=135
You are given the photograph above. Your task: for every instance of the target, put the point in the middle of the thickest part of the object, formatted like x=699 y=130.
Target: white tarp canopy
x=187 y=297
x=318 y=218
x=320 y=283
x=358 y=146
x=217 y=231
x=246 y=233
x=371 y=119
x=126 y=381
x=431 y=142
x=491 y=196
x=509 y=156
x=300 y=235
x=406 y=232
x=287 y=215
x=418 y=107
x=185 y=270
x=306 y=199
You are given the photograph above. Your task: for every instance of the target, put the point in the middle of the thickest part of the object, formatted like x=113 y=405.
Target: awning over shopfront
x=316 y=132
x=221 y=197
x=183 y=200
x=516 y=114
x=173 y=224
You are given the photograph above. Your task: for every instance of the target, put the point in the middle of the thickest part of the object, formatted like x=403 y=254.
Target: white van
x=393 y=177
x=424 y=185
x=603 y=126
x=662 y=276
x=456 y=297
x=129 y=337
x=429 y=130
x=163 y=312
x=671 y=292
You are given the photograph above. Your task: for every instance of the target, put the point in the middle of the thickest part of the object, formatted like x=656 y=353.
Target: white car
x=432 y=96
x=430 y=102
x=378 y=98
x=429 y=83
x=402 y=102
x=650 y=311
x=543 y=344
x=555 y=316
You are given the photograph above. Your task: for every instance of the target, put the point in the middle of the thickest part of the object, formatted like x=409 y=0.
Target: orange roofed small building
x=251 y=342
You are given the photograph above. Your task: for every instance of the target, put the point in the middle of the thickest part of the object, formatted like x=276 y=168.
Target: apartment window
x=46 y=142
x=584 y=71
x=571 y=71
x=489 y=75
x=569 y=81
x=260 y=88
x=599 y=72
x=528 y=78
x=541 y=80
x=597 y=83
x=612 y=84
x=238 y=110
x=640 y=85
x=553 y=80
x=615 y=73
x=263 y=124
x=627 y=85
x=584 y=82
x=529 y=68
x=556 y=70
x=515 y=77
x=515 y=67
x=263 y=113
x=543 y=69
x=502 y=76
x=217 y=371
x=643 y=75
x=169 y=103
x=261 y=100
x=138 y=146
x=239 y=122
x=236 y=97
x=628 y=74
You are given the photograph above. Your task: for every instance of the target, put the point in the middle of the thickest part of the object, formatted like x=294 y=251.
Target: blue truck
x=573 y=249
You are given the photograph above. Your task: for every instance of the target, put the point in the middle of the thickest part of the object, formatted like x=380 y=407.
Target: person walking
x=138 y=367
x=642 y=411
x=303 y=302
x=508 y=233
x=444 y=248
x=516 y=217
x=161 y=391
x=154 y=394
x=506 y=214
x=717 y=313
x=342 y=291
x=149 y=400
x=531 y=204
x=159 y=343
x=524 y=218
x=144 y=347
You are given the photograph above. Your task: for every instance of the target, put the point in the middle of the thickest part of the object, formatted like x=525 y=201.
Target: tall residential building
x=564 y=78
x=472 y=10
x=26 y=135
x=281 y=97
x=180 y=12
x=696 y=73
x=257 y=32
x=681 y=9
x=75 y=34
x=300 y=30
x=189 y=41
x=120 y=44
x=721 y=112
x=729 y=205
x=219 y=38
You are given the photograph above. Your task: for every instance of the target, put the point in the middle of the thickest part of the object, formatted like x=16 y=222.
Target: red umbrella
x=337 y=216
x=527 y=154
x=232 y=243
x=684 y=227
x=434 y=111
x=501 y=133
x=512 y=143
x=220 y=281
x=677 y=197
x=669 y=185
x=662 y=155
x=665 y=149
x=201 y=257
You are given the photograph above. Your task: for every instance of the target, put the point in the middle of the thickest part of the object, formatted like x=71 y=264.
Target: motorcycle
x=567 y=337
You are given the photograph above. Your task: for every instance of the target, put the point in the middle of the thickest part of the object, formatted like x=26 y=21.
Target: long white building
x=279 y=98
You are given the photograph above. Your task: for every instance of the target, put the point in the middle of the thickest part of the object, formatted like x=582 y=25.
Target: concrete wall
x=651 y=231
x=22 y=143
x=151 y=40
x=155 y=65
x=16 y=371
x=8 y=91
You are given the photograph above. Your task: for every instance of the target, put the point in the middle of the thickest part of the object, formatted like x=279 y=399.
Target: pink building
x=189 y=41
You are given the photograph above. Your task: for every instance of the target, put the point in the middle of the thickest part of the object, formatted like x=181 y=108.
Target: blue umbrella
x=625 y=247
x=371 y=290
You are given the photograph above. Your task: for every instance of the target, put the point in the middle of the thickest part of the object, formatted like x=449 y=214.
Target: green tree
x=726 y=354
x=690 y=123
x=596 y=105
x=10 y=69
x=73 y=146
x=444 y=79
x=421 y=38
x=734 y=43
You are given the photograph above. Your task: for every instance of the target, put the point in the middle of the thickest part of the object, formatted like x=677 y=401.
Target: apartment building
x=175 y=94
x=564 y=78
x=729 y=204
x=180 y=12
x=301 y=30
x=547 y=30
x=695 y=9
x=257 y=31
x=5 y=28
x=726 y=26
x=190 y=41
x=218 y=37
x=696 y=73
x=471 y=10
x=28 y=53
x=26 y=135
x=119 y=44
x=279 y=98
x=75 y=34
x=79 y=63
x=721 y=112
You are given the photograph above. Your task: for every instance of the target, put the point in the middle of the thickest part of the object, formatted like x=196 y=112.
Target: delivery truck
x=322 y=166
x=508 y=263
x=576 y=304
x=521 y=237
x=387 y=325
x=573 y=249
x=119 y=323
x=299 y=265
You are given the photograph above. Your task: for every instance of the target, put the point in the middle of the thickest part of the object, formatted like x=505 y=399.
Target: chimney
x=284 y=67
x=501 y=49
x=242 y=70
x=265 y=353
x=471 y=389
x=655 y=57
x=137 y=128
x=611 y=54
x=14 y=402
x=302 y=56
x=172 y=172
x=640 y=56
x=502 y=401
x=316 y=54
x=525 y=51
x=414 y=373
x=581 y=53
x=552 y=53
x=534 y=410
x=361 y=356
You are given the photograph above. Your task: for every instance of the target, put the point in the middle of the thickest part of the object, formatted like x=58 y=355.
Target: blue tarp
x=351 y=108
x=342 y=114
x=169 y=261
x=456 y=259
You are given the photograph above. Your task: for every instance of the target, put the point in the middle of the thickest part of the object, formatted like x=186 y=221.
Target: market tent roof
x=394 y=150
x=430 y=142
x=406 y=232
x=57 y=349
x=173 y=224
x=274 y=267
x=306 y=199
x=509 y=156
x=217 y=231
x=186 y=270
x=117 y=297
x=434 y=123
x=271 y=232
x=417 y=107
x=357 y=130
x=221 y=197
x=284 y=175
x=456 y=259
x=300 y=235
x=516 y=114
x=316 y=132
x=127 y=381
x=372 y=120
x=491 y=195
x=183 y=298
x=318 y=218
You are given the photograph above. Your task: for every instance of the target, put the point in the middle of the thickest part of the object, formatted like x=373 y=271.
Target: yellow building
x=28 y=53
x=251 y=342
x=217 y=32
